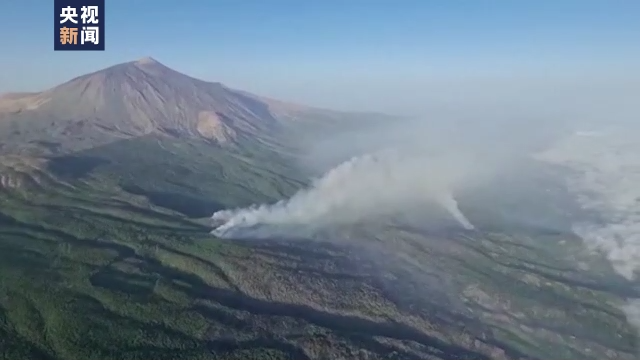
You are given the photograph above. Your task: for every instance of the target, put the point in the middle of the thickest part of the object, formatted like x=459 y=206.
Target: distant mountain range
x=139 y=98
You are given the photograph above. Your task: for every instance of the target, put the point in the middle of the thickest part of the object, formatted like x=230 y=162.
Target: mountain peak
x=137 y=98
x=147 y=60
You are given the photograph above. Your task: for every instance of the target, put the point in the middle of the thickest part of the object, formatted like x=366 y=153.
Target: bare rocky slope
x=140 y=98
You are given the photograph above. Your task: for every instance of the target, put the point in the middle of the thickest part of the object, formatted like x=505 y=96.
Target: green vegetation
x=181 y=174
x=89 y=270
x=102 y=257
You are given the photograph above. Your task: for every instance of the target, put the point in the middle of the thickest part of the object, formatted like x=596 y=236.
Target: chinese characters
x=68 y=36
x=79 y=25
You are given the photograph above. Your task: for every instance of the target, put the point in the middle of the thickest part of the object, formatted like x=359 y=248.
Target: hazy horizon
x=408 y=58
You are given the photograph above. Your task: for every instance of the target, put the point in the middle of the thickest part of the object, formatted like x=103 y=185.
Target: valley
x=106 y=251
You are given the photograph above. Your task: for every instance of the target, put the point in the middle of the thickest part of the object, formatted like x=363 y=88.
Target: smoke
x=389 y=167
x=606 y=179
x=382 y=166
x=472 y=128
x=451 y=205
x=364 y=187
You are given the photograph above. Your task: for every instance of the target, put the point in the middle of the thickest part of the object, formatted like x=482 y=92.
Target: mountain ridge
x=138 y=98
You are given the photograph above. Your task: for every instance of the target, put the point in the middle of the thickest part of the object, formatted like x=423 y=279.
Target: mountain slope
x=104 y=181
x=89 y=270
x=135 y=99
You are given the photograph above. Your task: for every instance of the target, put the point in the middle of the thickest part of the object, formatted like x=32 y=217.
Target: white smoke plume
x=469 y=134
x=467 y=140
x=395 y=166
x=363 y=187
x=606 y=179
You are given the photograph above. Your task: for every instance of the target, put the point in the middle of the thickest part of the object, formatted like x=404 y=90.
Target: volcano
x=134 y=99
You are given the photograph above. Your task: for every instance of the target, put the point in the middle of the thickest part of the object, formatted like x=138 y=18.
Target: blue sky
x=335 y=52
